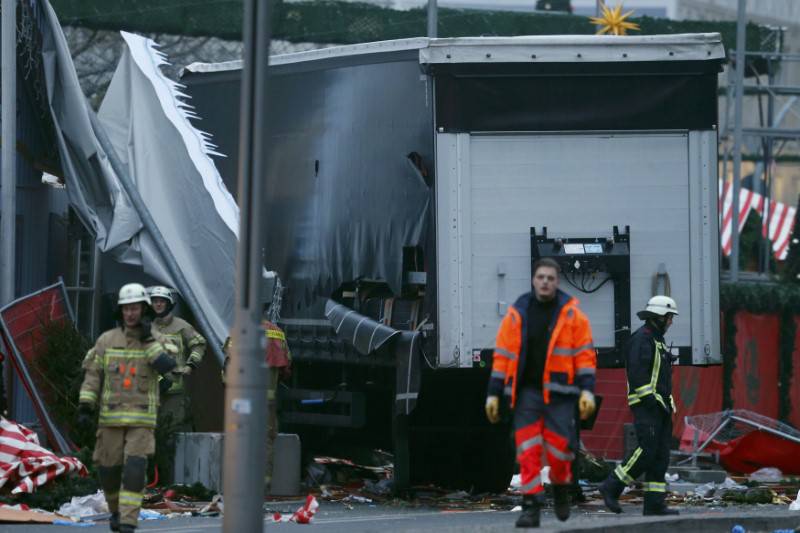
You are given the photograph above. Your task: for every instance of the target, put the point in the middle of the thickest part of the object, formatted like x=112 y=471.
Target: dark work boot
x=654 y=505
x=114 y=522
x=127 y=528
x=561 y=501
x=530 y=511
x=611 y=489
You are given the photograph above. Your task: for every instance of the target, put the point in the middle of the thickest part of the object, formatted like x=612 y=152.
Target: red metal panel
x=697 y=390
x=22 y=321
x=26 y=317
x=605 y=439
x=755 y=378
x=794 y=391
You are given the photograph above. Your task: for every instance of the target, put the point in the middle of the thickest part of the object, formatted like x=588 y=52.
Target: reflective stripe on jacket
x=191 y=346
x=648 y=365
x=119 y=377
x=571 y=361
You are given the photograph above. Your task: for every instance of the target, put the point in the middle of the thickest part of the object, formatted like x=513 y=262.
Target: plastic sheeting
x=146 y=119
x=368 y=336
x=148 y=125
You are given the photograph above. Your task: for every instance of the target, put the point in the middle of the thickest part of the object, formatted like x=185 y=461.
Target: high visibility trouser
x=121 y=456
x=651 y=457
x=272 y=427
x=540 y=429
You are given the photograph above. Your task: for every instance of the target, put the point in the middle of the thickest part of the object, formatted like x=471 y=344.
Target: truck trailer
x=413 y=183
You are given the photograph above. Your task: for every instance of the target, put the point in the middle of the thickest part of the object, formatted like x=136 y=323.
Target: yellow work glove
x=586 y=404
x=493 y=409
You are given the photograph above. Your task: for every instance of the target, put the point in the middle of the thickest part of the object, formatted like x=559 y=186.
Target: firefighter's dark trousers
x=120 y=454
x=654 y=433
x=548 y=428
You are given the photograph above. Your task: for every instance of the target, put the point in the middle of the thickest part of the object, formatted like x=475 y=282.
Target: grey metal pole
x=766 y=245
x=247 y=375
x=149 y=224
x=433 y=19
x=737 y=135
x=8 y=203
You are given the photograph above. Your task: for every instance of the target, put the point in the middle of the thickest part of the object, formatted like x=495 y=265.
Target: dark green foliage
x=332 y=21
x=58 y=373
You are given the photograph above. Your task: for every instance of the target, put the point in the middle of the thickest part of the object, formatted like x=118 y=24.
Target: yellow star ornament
x=613 y=21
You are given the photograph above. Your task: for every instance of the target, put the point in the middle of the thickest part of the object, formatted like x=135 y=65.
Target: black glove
x=147 y=331
x=85 y=416
x=164 y=384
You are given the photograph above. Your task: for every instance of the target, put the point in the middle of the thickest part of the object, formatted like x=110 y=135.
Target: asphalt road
x=334 y=517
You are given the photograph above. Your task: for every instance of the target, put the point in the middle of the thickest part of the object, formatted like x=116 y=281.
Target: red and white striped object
x=25 y=463
x=778 y=221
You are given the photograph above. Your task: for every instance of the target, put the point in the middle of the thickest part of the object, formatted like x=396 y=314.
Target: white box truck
x=412 y=184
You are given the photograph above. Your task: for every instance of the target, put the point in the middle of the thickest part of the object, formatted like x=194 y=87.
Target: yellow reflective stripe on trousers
x=655 y=486
x=127 y=497
x=127 y=417
x=622 y=469
x=87 y=395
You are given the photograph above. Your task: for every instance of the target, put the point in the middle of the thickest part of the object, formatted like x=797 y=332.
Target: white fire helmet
x=660 y=306
x=159 y=291
x=133 y=293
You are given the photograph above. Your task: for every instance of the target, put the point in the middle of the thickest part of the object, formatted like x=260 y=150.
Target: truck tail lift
x=582 y=260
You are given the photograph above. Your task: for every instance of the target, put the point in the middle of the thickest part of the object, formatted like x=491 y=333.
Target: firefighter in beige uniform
x=175 y=407
x=122 y=377
x=279 y=360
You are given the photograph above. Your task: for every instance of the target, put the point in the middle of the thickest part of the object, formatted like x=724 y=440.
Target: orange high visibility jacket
x=571 y=358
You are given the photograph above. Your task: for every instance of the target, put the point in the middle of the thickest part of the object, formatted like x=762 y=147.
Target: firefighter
x=543 y=360
x=175 y=410
x=122 y=375
x=649 y=368
x=279 y=360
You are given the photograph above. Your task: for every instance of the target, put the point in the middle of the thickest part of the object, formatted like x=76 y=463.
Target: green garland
x=781 y=299
x=335 y=21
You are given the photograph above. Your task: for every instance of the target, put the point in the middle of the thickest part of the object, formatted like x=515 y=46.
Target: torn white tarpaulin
x=146 y=119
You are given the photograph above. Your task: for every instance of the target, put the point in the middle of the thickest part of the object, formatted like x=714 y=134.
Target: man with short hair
x=543 y=361
x=122 y=375
x=648 y=364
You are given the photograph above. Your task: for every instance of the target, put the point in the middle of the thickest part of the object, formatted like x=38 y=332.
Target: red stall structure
x=21 y=333
x=760 y=371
